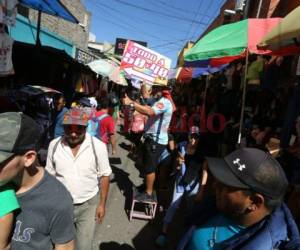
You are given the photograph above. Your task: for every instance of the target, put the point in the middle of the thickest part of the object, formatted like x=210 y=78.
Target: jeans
x=84 y=219
x=177 y=197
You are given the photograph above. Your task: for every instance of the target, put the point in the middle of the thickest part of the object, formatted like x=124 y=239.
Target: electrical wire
x=138 y=19
x=195 y=30
x=181 y=9
x=124 y=26
x=158 y=12
x=127 y=25
x=170 y=43
x=195 y=17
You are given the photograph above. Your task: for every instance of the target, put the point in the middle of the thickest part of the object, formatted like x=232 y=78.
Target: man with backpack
x=80 y=162
x=106 y=125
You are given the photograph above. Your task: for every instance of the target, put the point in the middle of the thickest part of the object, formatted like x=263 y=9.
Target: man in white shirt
x=77 y=159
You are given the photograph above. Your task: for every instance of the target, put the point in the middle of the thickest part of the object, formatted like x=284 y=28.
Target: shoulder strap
x=95 y=155
x=53 y=152
x=159 y=127
x=101 y=117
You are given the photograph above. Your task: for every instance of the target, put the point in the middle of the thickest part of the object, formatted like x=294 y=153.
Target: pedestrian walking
x=106 y=125
x=60 y=111
x=78 y=160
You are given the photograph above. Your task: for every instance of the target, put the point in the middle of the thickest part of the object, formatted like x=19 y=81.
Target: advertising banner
x=144 y=64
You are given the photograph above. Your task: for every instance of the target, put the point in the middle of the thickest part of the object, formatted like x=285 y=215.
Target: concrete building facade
x=78 y=34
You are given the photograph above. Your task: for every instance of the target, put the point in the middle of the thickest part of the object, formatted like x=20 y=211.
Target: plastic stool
x=148 y=207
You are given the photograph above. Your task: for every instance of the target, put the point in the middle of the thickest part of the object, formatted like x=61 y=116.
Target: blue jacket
x=276 y=231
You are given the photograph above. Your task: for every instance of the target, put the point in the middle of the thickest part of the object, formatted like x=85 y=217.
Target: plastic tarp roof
x=231 y=40
x=51 y=7
x=285 y=35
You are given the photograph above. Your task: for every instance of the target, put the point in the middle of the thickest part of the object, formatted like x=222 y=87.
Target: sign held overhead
x=144 y=64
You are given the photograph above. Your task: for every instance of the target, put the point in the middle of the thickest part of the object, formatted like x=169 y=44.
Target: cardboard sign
x=144 y=64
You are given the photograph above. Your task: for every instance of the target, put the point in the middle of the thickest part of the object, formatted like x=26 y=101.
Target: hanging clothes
x=6 y=45
x=8 y=12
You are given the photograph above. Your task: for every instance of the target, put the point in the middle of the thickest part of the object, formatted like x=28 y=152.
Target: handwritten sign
x=144 y=64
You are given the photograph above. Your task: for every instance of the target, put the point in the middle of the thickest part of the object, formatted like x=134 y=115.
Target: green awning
x=231 y=39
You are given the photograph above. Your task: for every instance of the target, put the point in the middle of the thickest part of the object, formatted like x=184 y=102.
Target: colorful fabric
x=283 y=34
x=8 y=12
x=76 y=116
x=6 y=45
x=232 y=40
x=8 y=200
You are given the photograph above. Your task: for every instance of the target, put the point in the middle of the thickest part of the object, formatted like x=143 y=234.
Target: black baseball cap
x=250 y=168
x=19 y=133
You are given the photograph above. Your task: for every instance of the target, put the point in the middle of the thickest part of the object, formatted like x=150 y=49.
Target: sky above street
x=166 y=25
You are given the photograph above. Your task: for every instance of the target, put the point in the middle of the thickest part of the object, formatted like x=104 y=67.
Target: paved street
x=117 y=232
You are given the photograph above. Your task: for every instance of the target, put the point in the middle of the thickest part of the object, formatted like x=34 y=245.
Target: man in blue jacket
x=249 y=213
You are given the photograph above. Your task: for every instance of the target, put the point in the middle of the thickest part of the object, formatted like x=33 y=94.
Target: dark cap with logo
x=19 y=133
x=250 y=168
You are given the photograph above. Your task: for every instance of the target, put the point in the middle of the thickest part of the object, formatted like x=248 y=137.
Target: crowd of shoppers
x=235 y=201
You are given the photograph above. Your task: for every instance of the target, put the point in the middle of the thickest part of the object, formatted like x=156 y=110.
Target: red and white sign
x=145 y=64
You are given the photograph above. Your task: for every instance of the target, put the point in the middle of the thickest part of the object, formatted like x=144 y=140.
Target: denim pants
x=176 y=200
x=84 y=219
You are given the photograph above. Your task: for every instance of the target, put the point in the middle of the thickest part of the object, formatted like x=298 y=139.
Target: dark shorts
x=151 y=154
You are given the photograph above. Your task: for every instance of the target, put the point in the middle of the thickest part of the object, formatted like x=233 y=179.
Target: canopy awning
x=285 y=34
x=231 y=40
x=51 y=7
x=186 y=74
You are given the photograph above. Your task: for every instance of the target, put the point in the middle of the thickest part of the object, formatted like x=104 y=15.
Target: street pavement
x=117 y=232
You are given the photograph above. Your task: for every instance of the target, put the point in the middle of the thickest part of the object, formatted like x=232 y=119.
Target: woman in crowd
x=189 y=169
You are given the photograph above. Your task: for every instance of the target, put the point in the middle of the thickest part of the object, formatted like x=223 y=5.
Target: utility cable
x=158 y=12
x=138 y=19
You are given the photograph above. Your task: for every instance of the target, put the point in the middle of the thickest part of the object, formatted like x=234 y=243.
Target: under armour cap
x=18 y=133
x=250 y=168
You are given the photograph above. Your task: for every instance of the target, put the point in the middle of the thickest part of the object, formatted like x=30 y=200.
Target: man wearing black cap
x=250 y=214
x=45 y=218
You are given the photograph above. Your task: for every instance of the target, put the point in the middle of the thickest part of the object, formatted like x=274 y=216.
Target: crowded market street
x=150 y=124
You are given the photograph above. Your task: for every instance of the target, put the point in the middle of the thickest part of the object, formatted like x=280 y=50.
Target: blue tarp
x=198 y=71
x=51 y=7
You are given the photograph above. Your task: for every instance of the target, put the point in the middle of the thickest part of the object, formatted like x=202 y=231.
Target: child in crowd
x=8 y=203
